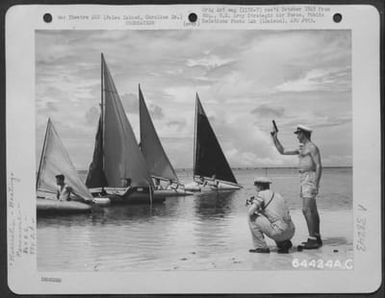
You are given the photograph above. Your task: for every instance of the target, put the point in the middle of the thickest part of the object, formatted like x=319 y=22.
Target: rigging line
x=150 y=190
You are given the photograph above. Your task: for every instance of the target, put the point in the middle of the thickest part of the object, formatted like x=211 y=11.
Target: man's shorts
x=308 y=187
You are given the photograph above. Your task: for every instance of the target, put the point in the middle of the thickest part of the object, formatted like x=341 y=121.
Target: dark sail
x=209 y=159
x=96 y=177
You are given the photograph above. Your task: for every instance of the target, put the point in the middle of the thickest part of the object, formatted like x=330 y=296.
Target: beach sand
x=337 y=236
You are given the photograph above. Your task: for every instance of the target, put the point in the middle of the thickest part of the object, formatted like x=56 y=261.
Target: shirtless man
x=63 y=191
x=310 y=169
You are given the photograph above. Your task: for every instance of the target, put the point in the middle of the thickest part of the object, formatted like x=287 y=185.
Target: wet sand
x=337 y=248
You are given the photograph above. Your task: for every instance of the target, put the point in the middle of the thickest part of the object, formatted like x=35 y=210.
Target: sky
x=244 y=79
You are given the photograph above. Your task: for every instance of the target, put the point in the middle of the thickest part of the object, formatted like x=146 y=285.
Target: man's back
x=275 y=206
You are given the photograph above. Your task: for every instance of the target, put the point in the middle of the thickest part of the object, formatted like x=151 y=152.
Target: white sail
x=55 y=160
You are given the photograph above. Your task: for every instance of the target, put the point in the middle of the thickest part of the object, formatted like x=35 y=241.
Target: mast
x=195 y=132
x=102 y=106
x=43 y=152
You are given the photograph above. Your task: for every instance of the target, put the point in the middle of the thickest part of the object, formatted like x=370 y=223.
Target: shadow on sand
x=336 y=241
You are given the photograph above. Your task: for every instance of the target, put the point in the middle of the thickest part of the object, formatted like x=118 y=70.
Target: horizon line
x=259 y=167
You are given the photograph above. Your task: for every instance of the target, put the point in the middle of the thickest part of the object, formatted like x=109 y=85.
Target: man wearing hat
x=269 y=215
x=310 y=169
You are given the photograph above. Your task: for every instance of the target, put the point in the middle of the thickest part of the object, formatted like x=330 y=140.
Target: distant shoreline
x=259 y=168
x=264 y=168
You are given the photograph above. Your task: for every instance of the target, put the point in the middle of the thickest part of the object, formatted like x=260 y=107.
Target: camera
x=249 y=201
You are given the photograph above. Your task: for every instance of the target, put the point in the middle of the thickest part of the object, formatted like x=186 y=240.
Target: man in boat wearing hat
x=269 y=215
x=310 y=169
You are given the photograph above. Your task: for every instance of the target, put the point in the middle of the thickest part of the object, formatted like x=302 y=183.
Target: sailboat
x=118 y=168
x=55 y=160
x=211 y=169
x=156 y=158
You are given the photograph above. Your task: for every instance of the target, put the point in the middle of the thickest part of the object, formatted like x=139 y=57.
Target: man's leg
x=283 y=237
x=309 y=205
x=258 y=227
x=310 y=212
x=313 y=222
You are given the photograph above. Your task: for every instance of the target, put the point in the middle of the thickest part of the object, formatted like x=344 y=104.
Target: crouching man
x=269 y=215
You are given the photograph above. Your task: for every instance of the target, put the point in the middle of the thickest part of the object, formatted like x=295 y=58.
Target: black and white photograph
x=158 y=138
x=179 y=151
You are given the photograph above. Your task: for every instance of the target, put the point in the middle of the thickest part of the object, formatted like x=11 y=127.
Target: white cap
x=301 y=127
x=262 y=180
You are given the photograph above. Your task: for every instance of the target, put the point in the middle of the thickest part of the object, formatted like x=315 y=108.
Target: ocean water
x=203 y=226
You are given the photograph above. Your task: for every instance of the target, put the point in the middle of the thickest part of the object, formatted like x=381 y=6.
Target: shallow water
x=199 y=227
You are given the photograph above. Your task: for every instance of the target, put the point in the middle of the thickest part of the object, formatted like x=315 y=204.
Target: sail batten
x=156 y=158
x=55 y=160
x=209 y=158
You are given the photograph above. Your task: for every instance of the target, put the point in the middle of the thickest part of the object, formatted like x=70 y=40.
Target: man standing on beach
x=310 y=169
x=269 y=215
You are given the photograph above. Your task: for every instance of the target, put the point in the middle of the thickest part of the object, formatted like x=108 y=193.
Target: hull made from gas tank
x=173 y=192
x=52 y=206
x=222 y=186
x=136 y=196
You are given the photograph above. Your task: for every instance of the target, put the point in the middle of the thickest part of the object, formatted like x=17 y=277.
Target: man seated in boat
x=213 y=183
x=126 y=183
x=65 y=191
x=200 y=180
x=158 y=186
x=103 y=192
x=269 y=215
x=174 y=185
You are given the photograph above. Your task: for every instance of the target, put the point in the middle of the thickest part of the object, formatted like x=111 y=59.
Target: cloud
x=332 y=121
x=48 y=108
x=179 y=124
x=318 y=80
x=265 y=111
x=242 y=144
x=156 y=112
x=92 y=115
x=209 y=62
x=243 y=78
x=130 y=103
